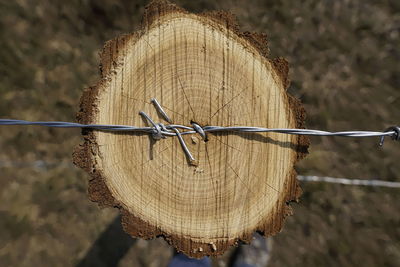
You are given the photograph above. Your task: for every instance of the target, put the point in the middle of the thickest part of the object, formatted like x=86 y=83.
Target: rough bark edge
x=84 y=155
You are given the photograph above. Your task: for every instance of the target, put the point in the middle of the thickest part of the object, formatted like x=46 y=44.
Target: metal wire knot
x=395 y=135
x=160 y=130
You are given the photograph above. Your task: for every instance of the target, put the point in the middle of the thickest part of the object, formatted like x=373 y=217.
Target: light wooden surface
x=201 y=69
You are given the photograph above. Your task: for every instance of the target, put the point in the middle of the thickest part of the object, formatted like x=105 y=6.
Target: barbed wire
x=165 y=130
x=160 y=130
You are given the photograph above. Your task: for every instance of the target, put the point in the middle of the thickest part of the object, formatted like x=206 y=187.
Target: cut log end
x=202 y=69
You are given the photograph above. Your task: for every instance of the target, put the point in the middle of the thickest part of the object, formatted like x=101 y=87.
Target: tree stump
x=202 y=69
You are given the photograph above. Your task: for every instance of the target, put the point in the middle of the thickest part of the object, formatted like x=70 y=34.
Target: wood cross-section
x=202 y=69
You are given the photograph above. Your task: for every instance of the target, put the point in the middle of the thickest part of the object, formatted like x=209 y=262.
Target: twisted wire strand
x=160 y=131
x=347 y=181
x=167 y=129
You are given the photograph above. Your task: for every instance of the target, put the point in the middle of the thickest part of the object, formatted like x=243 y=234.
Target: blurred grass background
x=345 y=62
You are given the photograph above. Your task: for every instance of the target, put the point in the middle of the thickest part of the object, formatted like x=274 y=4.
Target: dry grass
x=344 y=59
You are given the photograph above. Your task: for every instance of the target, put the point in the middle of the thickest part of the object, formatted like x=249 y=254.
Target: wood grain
x=201 y=68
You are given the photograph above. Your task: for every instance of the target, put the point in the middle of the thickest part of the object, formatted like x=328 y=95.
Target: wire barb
x=395 y=136
x=161 y=110
x=192 y=160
